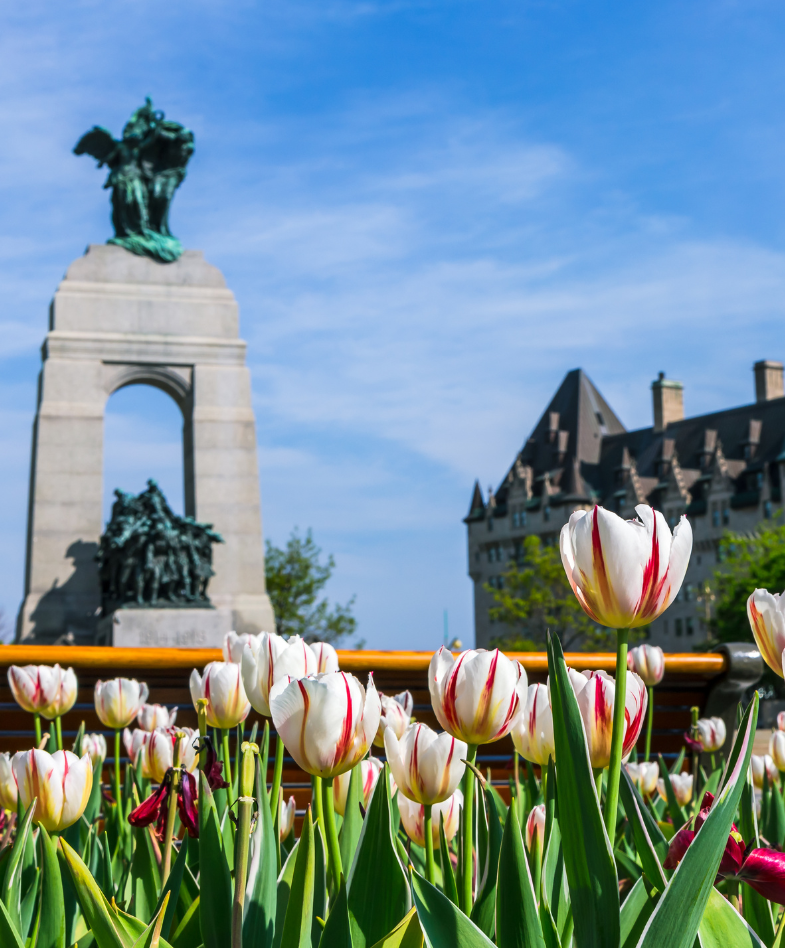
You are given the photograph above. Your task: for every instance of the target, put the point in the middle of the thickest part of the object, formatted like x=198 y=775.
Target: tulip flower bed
x=404 y=841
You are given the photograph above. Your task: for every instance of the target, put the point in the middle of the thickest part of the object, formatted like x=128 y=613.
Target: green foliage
x=295 y=578
x=537 y=597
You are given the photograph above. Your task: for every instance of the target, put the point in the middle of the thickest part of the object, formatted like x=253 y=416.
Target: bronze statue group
x=149 y=556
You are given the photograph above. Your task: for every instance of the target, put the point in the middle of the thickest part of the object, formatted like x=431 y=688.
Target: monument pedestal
x=118 y=319
x=165 y=628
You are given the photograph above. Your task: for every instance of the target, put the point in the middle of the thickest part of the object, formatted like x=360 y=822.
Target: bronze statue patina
x=145 y=167
x=149 y=556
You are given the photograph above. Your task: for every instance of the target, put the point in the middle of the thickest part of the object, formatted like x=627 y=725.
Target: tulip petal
x=764 y=870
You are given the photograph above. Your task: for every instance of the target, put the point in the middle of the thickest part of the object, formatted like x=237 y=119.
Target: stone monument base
x=165 y=628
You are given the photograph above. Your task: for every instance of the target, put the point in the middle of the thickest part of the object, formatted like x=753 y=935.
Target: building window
x=688 y=592
x=690 y=626
x=490 y=524
x=679 y=628
x=725 y=513
x=767 y=510
x=515 y=516
x=546 y=514
x=715 y=515
x=522 y=518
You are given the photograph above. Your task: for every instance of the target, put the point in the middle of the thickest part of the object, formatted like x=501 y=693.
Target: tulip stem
x=117 y=784
x=166 y=862
x=598 y=784
x=467 y=865
x=37 y=726
x=649 y=723
x=430 y=869
x=333 y=846
x=245 y=780
x=227 y=766
x=59 y=732
x=277 y=770
x=617 y=737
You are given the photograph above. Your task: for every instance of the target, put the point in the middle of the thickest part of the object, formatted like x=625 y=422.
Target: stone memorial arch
x=120 y=319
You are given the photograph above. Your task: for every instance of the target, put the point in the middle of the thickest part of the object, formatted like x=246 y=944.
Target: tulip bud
x=159 y=752
x=43 y=689
x=477 y=695
x=151 y=716
x=682 y=788
x=711 y=734
x=781 y=721
x=7 y=783
x=370 y=768
x=532 y=731
x=234 y=644
x=286 y=818
x=766 y=613
x=61 y=782
x=270 y=658
x=644 y=776
x=648 y=663
x=427 y=767
x=535 y=826
x=134 y=742
x=596 y=695
x=326 y=657
x=95 y=746
x=222 y=687
x=117 y=702
x=777 y=749
x=396 y=713
x=758 y=766
x=624 y=573
x=413 y=818
x=327 y=722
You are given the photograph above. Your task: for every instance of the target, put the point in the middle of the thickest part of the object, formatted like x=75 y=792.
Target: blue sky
x=429 y=212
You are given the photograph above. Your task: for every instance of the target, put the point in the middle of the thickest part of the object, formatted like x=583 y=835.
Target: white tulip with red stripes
x=327 y=721
x=596 y=694
x=535 y=826
x=60 y=782
x=95 y=746
x=766 y=612
x=159 y=751
x=644 y=775
x=682 y=788
x=426 y=766
x=370 y=768
x=152 y=716
x=532 y=732
x=286 y=819
x=761 y=764
x=711 y=734
x=477 y=695
x=234 y=644
x=48 y=690
x=625 y=573
x=269 y=658
x=396 y=714
x=413 y=818
x=119 y=701
x=648 y=663
x=7 y=783
x=326 y=657
x=222 y=687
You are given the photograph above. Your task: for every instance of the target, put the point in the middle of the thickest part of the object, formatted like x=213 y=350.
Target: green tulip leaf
x=8 y=933
x=406 y=934
x=449 y=885
x=517 y=918
x=555 y=891
x=484 y=910
x=677 y=917
x=13 y=883
x=215 y=904
x=188 y=933
x=260 y=896
x=337 y=932
x=171 y=891
x=378 y=888
x=51 y=928
x=635 y=912
x=651 y=846
x=677 y=814
x=319 y=885
x=145 y=876
x=588 y=856
x=283 y=888
x=723 y=927
x=151 y=936
x=102 y=922
x=444 y=925
x=352 y=819
x=298 y=920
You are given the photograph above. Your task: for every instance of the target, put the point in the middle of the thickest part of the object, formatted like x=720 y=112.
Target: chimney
x=668 y=398
x=768 y=380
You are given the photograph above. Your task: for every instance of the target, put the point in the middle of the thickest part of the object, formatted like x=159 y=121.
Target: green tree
x=749 y=561
x=536 y=596
x=295 y=577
